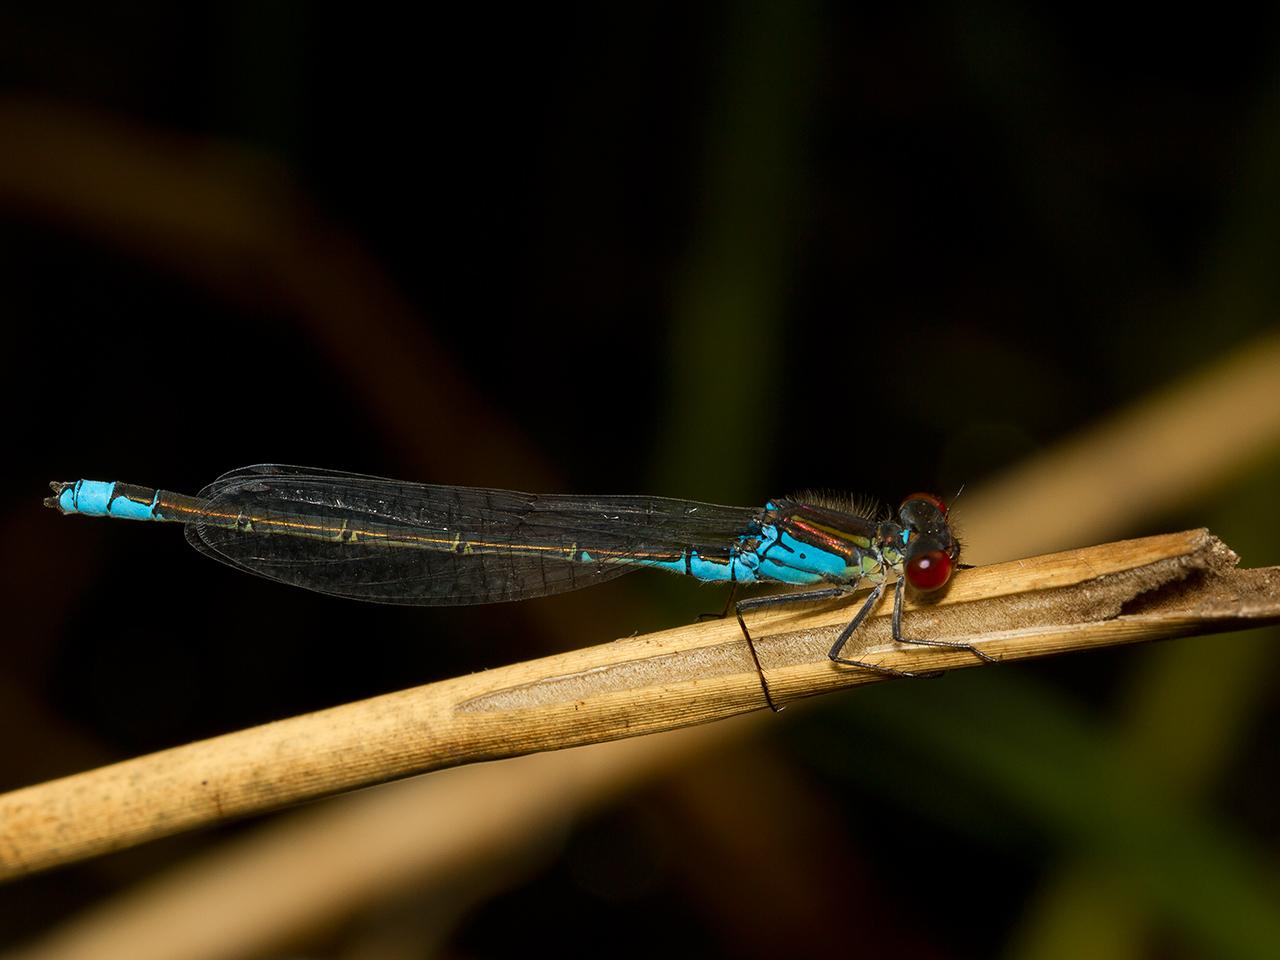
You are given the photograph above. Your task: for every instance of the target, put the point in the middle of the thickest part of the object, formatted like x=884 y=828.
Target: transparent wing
x=395 y=542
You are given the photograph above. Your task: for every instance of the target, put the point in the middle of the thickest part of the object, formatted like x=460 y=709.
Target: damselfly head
x=930 y=550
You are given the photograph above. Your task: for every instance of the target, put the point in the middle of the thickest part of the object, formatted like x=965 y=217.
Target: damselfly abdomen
x=409 y=543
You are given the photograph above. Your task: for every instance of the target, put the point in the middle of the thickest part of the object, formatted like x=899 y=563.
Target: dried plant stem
x=1125 y=592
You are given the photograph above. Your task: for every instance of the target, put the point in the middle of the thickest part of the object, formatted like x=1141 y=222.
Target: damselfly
x=410 y=543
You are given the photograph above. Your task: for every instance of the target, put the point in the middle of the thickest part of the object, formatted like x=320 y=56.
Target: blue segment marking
x=128 y=509
x=67 y=499
x=98 y=498
x=90 y=497
x=711 y=571
x=736 y=569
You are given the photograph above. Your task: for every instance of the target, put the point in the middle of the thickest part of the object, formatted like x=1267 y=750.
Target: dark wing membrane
x=408 y=543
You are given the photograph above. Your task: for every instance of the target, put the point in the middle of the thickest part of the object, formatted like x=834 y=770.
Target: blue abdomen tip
x=90 y=497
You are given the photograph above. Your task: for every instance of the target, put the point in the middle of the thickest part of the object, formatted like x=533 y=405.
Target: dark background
x=718 y=252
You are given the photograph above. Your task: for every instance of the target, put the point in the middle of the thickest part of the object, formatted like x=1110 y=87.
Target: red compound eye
x=928 y=498
x=929 y=570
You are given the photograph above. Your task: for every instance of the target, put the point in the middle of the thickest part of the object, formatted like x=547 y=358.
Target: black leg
x=755 y=603
x=782 y=599
x=832 y=593
x=953 y=644
x=858 y=617
x=867 y=606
